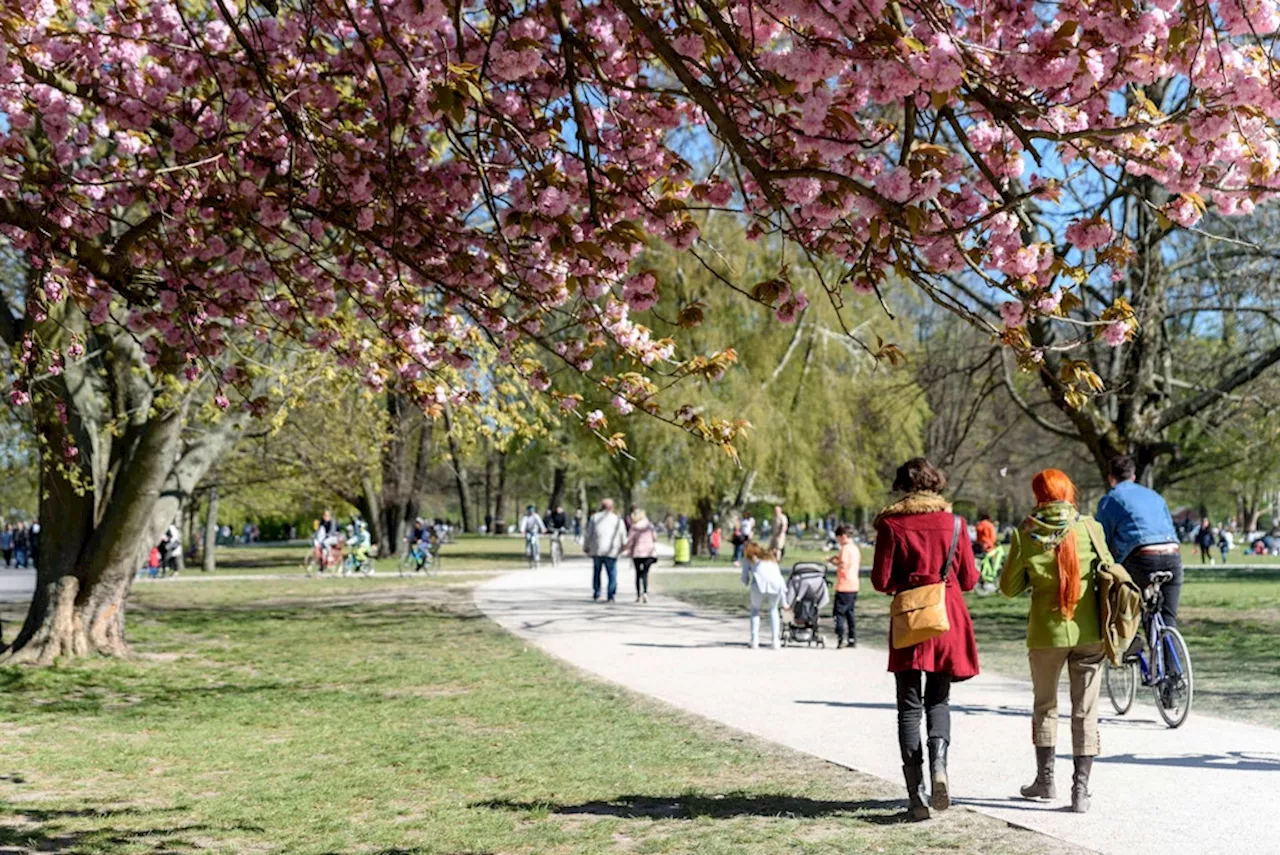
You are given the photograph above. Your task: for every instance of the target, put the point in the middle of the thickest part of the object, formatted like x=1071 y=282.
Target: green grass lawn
x=1230 y=618
x=385 y=716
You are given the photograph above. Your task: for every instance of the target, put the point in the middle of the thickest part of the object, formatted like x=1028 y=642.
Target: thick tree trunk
x=209 y=560
x=700 y=526
x=92 y=544
x=459 y=473
x=558 y=476
x=374 y=516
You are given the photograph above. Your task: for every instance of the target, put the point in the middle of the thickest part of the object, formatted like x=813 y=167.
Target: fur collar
x=923 y=502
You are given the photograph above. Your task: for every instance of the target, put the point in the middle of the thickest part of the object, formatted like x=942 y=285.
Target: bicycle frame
x=1155 y=671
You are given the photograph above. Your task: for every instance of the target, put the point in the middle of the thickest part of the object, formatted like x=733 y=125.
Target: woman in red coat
x=913 y=537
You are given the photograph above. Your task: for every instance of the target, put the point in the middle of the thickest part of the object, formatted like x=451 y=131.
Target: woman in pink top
x=641 y=545
x=847 y=562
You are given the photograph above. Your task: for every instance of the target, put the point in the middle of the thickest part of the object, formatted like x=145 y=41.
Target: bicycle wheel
x=406 y=562
x=557 y=552
x=1122 y=685
x=310 y=565
x=1174 y=692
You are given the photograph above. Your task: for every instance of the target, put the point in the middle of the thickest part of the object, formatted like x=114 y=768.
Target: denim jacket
x=1132 y=516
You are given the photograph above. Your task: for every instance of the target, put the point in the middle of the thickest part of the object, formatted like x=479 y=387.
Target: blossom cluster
x=483 y=176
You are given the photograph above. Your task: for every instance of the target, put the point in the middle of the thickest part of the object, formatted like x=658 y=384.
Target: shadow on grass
x=27 y=829
x=733 y=805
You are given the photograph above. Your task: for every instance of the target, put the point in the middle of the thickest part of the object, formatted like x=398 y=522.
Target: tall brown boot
x=1080 y=785
x=1042 y=787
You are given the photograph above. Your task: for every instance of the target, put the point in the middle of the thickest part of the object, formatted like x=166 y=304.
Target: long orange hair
x=1053 y=485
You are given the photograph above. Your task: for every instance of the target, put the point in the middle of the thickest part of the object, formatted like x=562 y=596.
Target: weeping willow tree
x=823 y=394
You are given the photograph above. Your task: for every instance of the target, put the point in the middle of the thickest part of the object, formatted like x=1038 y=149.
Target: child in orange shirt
x=846 y=563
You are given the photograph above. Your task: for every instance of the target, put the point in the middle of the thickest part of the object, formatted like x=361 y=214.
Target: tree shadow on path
x=1233 y=761
x=730 y=806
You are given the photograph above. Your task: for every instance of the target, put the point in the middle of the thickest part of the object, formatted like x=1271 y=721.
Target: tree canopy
x=472 y=175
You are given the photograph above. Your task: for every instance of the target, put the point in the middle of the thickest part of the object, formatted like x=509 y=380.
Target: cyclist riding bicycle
x=419 y=545
x=532 y=527
x=325 y=539
x=361 y=544
x=1141 y=536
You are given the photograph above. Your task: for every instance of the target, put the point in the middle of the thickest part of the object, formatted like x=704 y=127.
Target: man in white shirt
x=748 y=525
x=603 y=541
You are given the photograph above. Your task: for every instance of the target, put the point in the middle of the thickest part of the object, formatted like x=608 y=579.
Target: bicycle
x=358 y=561
x=1164 y=664
x=557 y=547
x=417 y=558
x=321 y=559
x=532 y=548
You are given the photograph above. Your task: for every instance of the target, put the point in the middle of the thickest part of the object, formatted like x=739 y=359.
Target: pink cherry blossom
x=1013 y=314
x=1116 y=333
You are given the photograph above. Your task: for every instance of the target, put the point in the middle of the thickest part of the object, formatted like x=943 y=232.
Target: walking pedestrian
x=778 y=532
x=1226 y=540
x=846 y=562
x=21 y=543
x=642 y=546
x=919 y=543
x=603 y=541
x=713 y=542
x=1141 y=536
x=1053 y=554
x=1206 y=540
x=760 y=572
x=35 y=544
x=748 y=526
x=171 y=549
x=6 y=544
x=984 y=536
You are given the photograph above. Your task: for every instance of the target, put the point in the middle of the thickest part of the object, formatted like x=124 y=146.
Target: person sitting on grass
x=846 y=562
x=760 y=572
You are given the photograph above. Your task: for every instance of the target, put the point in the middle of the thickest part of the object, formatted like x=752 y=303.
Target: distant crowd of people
x=20 y=544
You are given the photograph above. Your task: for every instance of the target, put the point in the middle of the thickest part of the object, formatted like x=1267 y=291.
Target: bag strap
x=951 y=551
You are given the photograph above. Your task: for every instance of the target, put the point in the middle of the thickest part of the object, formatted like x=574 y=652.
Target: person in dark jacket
x=913 y=538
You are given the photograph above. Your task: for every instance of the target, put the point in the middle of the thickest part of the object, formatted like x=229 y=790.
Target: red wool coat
x=912 y=538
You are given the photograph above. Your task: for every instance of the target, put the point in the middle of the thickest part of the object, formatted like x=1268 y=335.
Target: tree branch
x=1219 y=390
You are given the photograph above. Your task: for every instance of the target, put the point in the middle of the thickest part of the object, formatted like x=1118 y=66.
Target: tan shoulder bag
x=919 y=614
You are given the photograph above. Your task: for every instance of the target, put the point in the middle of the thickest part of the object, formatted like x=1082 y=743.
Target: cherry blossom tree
x=413 y=184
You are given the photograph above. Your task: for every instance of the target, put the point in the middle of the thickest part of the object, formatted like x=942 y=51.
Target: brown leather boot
x=1080 y=785
x=1042 y=787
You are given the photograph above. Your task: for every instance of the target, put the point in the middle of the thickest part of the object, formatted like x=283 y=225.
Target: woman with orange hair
x=1052 y=554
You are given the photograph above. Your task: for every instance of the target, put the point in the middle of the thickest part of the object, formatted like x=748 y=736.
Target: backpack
x=1119 y=601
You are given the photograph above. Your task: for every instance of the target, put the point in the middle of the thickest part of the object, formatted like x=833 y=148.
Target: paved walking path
x=1209 y=787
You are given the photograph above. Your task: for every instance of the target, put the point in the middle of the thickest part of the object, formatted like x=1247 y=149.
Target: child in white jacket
x=761 y=573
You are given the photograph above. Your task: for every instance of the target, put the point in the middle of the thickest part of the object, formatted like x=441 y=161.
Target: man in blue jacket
x=1140 y=533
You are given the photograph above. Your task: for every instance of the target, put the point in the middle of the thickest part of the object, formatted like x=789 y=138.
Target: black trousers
x=642 y=566
x=843 y=613
x=934 y=705
x=1141 y=565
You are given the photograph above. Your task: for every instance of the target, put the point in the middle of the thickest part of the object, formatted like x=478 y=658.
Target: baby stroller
x=806 y=595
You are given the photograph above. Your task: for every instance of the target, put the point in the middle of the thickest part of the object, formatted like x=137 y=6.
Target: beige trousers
x=1084 y=674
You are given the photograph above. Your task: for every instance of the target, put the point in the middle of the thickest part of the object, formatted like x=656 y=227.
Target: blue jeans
x=609 y=564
